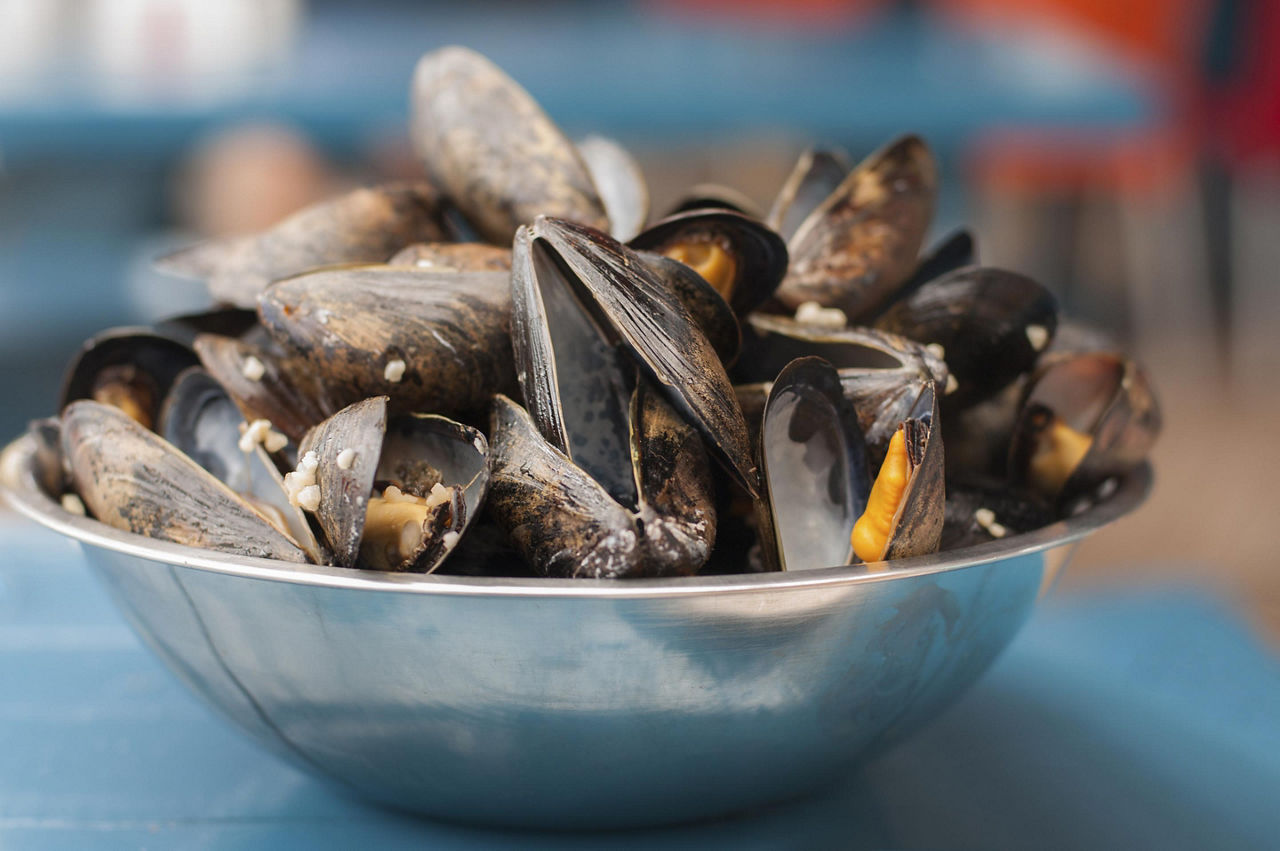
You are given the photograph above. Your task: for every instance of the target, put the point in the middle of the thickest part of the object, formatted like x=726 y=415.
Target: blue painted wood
x=1139 y=719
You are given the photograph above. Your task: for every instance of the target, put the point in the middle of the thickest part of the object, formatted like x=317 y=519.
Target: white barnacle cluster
x=301 y=485
x=260 y=433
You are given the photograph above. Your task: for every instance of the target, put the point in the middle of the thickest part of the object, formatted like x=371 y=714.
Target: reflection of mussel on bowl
x=696 y=481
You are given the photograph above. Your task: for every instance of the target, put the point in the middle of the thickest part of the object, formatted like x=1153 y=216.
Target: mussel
x=132 y=479
x=430 y=340
x=1083 y=419
x=493 y=150
x=391 y=493
x=129 y=368
x=822 y=508
x=366 y=225
x=862 y=240
x=602 y=475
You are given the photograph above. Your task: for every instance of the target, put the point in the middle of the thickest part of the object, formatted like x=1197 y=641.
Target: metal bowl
x=572 y=703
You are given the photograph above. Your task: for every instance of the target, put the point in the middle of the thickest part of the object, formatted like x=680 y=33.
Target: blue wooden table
x=1141 y=719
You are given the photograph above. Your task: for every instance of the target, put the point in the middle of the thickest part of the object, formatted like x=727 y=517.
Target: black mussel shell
x=620 y=182
x=813 y=469
x=992 y=325
x=758 y=255
x=134 y=366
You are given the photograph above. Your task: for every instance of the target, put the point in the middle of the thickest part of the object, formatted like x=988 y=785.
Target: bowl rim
x=19 y=489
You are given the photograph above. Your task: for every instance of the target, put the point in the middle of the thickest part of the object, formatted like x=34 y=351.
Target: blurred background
x=1124 y=152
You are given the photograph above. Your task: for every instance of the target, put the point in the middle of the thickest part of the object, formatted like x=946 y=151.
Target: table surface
x=1137 y=719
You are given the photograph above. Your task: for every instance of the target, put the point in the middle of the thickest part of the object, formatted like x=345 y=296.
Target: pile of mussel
x=506 y=369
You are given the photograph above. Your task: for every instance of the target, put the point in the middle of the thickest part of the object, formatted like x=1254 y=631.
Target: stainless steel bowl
x=572 y=703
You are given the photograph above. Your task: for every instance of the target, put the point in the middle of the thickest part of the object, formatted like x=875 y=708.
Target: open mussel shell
x=439 y=466
x=1084 y=418
x=637 y=312
x=266 y=383
x=454 y=257
x=202 y=421
x=816 y=175
x=862 y=241
x=883 y=375
x=132 y=479
x=739 y=256
x=131 y=368
x=813 y=469
x=366 y=225
x=620 y=182
x=567 y=524
x=992 y=325
x=915 y=525
x=430 y=340
x=493 y=150
x=714 y=196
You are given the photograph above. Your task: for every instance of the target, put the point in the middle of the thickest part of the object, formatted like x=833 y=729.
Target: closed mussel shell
x=131 y=368
x=739 y=256
x=493 y=150
x=431 y=341
x=992 y=325
x=365 y=225
x=863 y=241
x=132 y=479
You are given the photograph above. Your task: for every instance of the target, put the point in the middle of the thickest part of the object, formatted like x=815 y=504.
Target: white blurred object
x=31 y=39
x=185 y=49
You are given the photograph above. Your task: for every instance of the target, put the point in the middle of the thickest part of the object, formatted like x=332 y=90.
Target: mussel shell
x=760 y=255
x=492 y=148
x=287 y=394
x=620 y=182
x=992 y=324
x=50 y=472
x=954 y=251
x=816 y=175
x=813 y=469
x=882 y=374
x=420 y=450
x=713 y=196
x=1100 y=394
x=366 y=225
x=451 y=329
x=203 y=422
x=454 y=257
x=712 y=313
x=658 y=332
x=567 y=525
x=917 y=528
x=859 y=244
x=132 y=479
x=153 y=359
x=345 y=490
